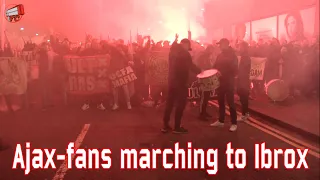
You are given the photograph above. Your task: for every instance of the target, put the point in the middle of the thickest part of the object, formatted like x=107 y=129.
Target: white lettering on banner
x=194 y=92
x=257 y=67
x=122 y=77
x=88 y=74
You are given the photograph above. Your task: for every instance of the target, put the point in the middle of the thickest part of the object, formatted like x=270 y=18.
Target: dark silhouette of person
x=294 y=26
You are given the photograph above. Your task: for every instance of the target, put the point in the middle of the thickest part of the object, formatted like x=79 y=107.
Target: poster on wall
x=297 y=25
x=241 y=31
x=264 y=29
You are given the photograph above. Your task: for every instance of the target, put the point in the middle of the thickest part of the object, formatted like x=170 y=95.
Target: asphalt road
x=138 y=128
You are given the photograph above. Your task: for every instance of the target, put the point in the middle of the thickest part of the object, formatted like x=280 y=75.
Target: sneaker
x=115 y=107
x=166 y=129
x=244 y=117
x=101 y=107
x=129 y=105
x=233 y=128
x=85 y=107
x=180 y=130
x=217 y=124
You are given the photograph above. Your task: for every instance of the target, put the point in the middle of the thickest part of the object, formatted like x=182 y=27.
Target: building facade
x=261 y=19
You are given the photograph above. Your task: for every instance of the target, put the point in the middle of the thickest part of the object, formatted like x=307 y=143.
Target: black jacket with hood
x=227 y=65
x=180 y=63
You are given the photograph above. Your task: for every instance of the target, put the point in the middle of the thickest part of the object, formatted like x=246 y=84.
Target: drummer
x=204 y=62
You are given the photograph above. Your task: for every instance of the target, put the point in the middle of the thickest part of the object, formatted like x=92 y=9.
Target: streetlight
x=37 y=34
x=21 y=29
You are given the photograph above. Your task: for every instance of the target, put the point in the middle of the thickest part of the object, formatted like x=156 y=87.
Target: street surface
x=139 y=128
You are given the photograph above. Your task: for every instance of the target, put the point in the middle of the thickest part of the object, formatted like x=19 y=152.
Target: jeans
x=228 y=93
x=178 y=96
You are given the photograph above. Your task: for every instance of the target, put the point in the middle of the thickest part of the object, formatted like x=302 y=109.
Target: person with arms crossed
x=227 y=65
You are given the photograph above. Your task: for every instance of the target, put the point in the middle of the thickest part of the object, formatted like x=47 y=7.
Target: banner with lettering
x=257 y=67
x=157 y=68
x=88 y=74
x=194 y=92
x=33 y=66
x=122 y=77
x=29 y=57
x=13 y=76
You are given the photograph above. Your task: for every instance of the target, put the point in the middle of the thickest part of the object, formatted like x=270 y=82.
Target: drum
x=209 y=80
x=277 y=90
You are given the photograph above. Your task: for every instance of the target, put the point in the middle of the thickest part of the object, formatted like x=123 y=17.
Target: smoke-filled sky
x=73 y=18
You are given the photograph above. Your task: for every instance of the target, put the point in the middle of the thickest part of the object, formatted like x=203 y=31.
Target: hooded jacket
x=180 y=63
x=227 y=65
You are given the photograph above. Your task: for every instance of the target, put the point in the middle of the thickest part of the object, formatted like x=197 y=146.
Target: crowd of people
x=299 y=61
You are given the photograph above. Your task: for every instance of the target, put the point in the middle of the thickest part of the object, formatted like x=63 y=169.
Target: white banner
x=257 y=67
x=13 y=76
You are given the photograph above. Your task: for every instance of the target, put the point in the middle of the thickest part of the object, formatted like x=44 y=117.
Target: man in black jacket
x=180 y=63
x=243 y=83
x=227 y=65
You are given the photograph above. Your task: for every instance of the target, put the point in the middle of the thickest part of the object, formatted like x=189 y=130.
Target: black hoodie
x=227 y=65
x=180 y=63
x=244 y=71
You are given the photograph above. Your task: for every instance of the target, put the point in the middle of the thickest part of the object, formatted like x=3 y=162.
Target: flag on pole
x=131 y=63
x=130 y=37
x=137 y=37
x=130 y=49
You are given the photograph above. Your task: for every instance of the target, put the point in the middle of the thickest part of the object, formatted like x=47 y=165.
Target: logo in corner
x=14 y=13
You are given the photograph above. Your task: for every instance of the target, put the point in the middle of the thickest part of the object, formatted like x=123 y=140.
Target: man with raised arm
x=180 y=63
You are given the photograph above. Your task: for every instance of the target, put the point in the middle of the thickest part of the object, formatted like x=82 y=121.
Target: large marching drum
x=277 y=90
x=209 y=80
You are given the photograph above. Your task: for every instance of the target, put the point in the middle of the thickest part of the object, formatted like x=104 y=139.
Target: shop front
x=292 y=26
x=296 y=23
